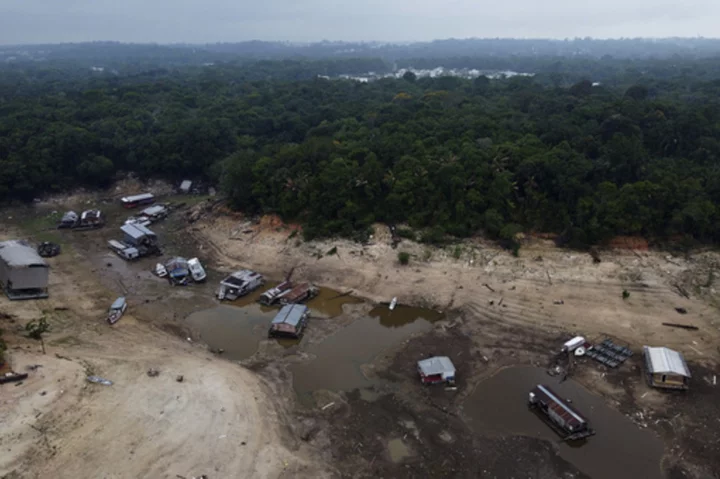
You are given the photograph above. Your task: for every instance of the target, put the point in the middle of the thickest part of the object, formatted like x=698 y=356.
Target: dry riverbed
x=345 y=401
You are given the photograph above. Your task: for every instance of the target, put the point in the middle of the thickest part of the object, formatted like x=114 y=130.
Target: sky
x=209 y=21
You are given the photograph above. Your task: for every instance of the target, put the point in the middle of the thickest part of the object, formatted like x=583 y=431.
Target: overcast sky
x=196 y=21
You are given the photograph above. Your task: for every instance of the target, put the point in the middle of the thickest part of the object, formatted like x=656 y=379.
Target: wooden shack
x=666 y=368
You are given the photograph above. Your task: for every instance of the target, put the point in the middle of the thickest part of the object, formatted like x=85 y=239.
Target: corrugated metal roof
x=664 y=361
x=290 y=314
x=136 y=230
x=132 y=199
x=436 y=365
x=18 y=254
x=154 y=210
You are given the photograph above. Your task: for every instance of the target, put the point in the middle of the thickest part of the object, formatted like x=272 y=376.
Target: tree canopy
x=447 y=155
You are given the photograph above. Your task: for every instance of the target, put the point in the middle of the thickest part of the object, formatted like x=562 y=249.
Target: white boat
x=160 y=270
x=393 y=303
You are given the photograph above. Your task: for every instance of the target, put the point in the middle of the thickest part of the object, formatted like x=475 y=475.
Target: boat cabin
x=290 y=321
x=300 y=293
x=117 y=309
x=273 y=295
x=239 y=284
x=438 y=369
x=559 y=415
x=137 y=200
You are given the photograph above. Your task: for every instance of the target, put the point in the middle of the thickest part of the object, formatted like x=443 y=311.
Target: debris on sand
x=559 y=301
x=683 y=326
x=153 y=372
x=179 y=378
x=681 y=310
x=99 y=380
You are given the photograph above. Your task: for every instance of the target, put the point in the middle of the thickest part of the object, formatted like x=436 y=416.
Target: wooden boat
x=117 y=309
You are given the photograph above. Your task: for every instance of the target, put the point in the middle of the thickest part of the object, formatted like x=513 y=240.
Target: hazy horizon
x=390 y=21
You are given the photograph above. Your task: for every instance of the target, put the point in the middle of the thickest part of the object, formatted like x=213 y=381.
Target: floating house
x=438 y=369
x=290 y=321
x=666 y=368
x=560 y=415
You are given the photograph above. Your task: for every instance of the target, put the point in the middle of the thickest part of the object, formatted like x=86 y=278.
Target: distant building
x=666 y=368
x=23 y=273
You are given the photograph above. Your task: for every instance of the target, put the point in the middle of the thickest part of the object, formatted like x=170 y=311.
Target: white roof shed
x=665 y=361
x=437 y=365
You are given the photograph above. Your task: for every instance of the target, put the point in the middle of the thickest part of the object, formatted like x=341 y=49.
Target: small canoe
x=393 y=303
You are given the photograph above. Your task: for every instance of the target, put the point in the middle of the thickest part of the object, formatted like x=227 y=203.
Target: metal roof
x=17 y=254
x=665 y=361
x=136 y=230
x=186 y=185
x=290 y=314
x=436 y=365
x=154 y=210
x=118 y=303
x=131 y=199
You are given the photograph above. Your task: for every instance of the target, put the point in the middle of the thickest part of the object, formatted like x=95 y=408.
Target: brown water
x=619 y=450
x=339 y=358
x=236 y=330
x=329 y=303
x=403 y=315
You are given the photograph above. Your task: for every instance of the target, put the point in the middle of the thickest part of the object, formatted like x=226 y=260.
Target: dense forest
x=635 y=154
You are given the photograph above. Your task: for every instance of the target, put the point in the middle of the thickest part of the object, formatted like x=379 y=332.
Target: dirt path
x=221 y=420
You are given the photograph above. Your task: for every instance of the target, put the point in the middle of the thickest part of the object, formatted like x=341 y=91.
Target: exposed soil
x=499 y=310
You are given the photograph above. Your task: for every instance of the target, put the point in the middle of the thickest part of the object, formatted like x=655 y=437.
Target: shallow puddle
x=329 y=303
x=403 y=315
x=339 y=358
x=619 y=450
x=398 y=450
x=236 y=330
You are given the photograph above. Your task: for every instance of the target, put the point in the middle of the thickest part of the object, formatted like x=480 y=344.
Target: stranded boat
x=117 y=309
x=559 y=415
x=290 y=321
x=239 y=284
x=299 y=294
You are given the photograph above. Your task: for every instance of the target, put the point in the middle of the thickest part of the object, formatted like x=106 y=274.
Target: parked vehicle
x=196 y=270
x=117 y=309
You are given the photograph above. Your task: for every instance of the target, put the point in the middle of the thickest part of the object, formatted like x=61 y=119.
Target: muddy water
x=329 y=303
x=236 y=330
x=619 y=450
x=339 y=358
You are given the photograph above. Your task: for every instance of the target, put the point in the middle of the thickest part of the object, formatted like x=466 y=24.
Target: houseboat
x=299 y=294
x=273 y=295
x=290 y=321
x=239 y=284
x=137 y=200
x=438 y=369
x=558 y=414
